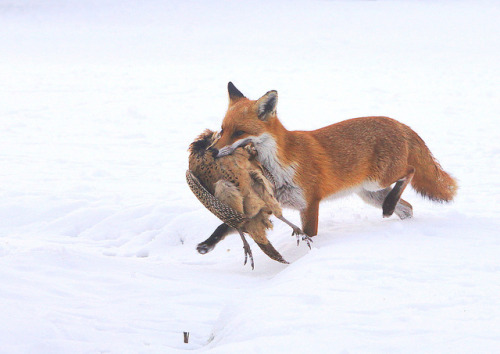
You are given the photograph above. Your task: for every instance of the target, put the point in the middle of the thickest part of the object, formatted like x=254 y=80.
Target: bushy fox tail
x=430 y=180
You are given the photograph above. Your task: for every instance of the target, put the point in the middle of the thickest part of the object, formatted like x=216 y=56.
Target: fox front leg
x=218 y=235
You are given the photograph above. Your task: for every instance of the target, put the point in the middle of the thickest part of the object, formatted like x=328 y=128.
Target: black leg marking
x=218 y=235
x=376 y=198
x=392 y=199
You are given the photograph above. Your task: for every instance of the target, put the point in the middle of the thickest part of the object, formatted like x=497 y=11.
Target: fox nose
x=214 y=152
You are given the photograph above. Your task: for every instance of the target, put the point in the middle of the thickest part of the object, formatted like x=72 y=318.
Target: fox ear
x=266 y=105
x=234 y=93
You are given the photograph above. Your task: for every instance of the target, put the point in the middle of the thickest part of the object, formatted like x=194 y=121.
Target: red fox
x=361 y=155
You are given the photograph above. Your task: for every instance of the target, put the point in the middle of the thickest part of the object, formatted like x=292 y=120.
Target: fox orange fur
x=361 y=155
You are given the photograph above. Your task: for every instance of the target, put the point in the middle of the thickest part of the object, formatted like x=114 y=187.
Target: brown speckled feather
x=224 y=212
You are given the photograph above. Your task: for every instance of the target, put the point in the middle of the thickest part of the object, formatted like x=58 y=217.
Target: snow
x=98 y=229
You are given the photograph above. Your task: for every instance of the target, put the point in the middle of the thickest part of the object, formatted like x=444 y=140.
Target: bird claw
x=248 y=251
x=248 y=254
x=301 y=235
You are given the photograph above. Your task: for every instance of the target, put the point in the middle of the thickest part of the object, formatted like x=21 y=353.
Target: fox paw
x=203 y=248
x=404 y=212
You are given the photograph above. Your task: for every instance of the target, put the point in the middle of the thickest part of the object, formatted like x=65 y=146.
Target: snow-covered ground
x=99 y=101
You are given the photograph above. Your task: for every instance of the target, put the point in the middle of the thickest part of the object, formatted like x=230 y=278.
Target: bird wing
x=224 y=212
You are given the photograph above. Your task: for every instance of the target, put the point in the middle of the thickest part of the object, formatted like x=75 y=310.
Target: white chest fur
x=288 y=193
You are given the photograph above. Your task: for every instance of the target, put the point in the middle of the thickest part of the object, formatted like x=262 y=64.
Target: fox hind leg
x=392 y=199
x=403 y=209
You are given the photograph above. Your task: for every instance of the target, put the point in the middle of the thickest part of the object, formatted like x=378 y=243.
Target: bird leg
x=297 y=231
x=246 y=248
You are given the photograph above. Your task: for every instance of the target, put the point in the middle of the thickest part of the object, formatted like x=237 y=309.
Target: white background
x=99 y=101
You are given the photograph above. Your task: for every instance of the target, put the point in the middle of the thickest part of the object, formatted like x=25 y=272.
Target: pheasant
x=236 y=190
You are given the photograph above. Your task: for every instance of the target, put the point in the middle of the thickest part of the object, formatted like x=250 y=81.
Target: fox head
x=246 y=120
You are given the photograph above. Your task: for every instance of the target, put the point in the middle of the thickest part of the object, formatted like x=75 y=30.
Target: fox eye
x=238 y=133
